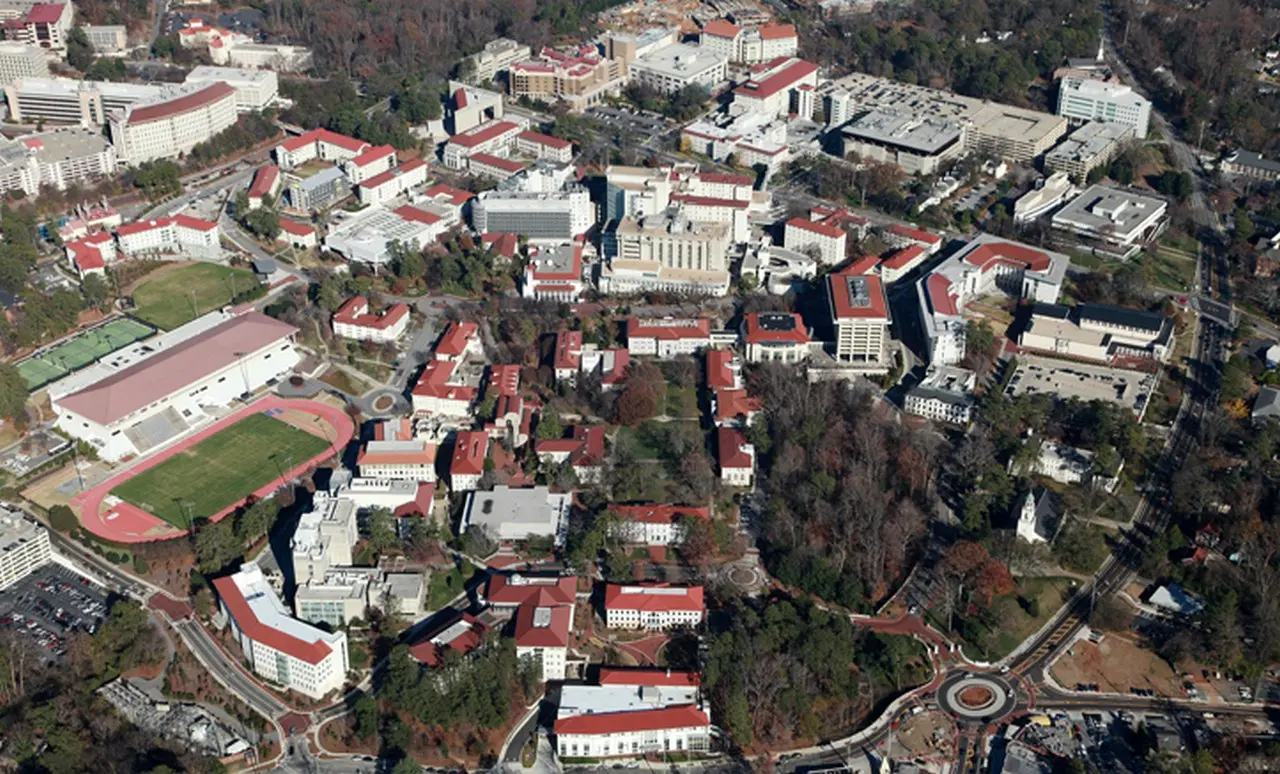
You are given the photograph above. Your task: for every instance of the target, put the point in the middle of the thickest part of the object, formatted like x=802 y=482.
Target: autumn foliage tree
x=638 y=400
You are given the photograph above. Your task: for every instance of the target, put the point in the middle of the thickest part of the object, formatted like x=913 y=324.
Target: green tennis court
x=84 y=349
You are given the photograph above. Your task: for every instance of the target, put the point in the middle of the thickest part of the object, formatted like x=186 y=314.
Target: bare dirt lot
x=1118 y=664
x=927 y=735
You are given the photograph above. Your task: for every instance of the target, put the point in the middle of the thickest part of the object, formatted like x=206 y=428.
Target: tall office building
x=19 y=60
x=24 y=546
x=1085 y=99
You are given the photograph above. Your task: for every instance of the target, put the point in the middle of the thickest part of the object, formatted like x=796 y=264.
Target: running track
x=124 y=523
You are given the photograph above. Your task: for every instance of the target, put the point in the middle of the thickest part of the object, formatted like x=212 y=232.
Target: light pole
x=244 y=371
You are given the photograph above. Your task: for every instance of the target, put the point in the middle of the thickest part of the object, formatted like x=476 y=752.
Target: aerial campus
x=793 y=387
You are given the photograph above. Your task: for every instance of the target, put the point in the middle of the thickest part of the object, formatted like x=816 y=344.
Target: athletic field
x=79 y=352
x=221 y=470
x=175 y=295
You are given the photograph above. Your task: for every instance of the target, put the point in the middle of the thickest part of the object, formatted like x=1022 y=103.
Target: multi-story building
x=171 y=126
x=635 y=192
x=750 y=46
x=24 y=547
x=470 y=449
x=319 y=144
x=353 y=320
x=775 y=337
x=266 y=182
x=580 y=78
x=45 y=25
x=654 y=525
x=737 y=457
x=255 y=89
x=296 y=655
x=1248 y=164
x=1087 y=99
x=1091 y=146
x=496 y=56
x=107 y=38
x=557 y=216
x=315 y=192
x=679 y=66
x=91 y=254
x=652 y=606
x=1117 y=221
x=554 y=273
x=55 y=159
x=667 y=337
x=668 y=251
x=902 y=235
x=1098 y=332
x=496 y=167
x=901 y=263
x=411 y=459
x=511 y=515
x=297 y=234
x=584 y=451
x=544 y=146
x=1017 y=135
x=541 y=632
x=459 y=341
x=69 y=101
x=860 y=315
x=945 y=395
x=325 y=537
x=827 y=241
x=746 y=140
x=496 y=138
x=443 y=389
x=393 y=183
x=181 y=234
x=261 y=56
x=632 y=713
x=338 y=597
x=19 y=60
x=919 y=145
x=774 y=86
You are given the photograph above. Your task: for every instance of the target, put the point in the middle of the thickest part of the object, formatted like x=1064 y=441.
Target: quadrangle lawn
x=221 y=470
x=165 y=298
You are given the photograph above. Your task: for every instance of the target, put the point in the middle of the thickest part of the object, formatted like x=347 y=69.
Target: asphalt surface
x=227 y=672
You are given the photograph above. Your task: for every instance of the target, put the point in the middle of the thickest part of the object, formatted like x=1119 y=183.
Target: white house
x=179 y=234
x=470 y=448
x=652 y=606
x=353 y=320
x=633 y=712
x=654 y=525
x=828 y=241
x=1038 y=516
x=737 y=458
x=667 y=337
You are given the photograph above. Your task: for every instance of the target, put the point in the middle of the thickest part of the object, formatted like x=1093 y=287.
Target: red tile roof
x=373 y=154
x=940 y=295
x=915 y=234
x=290 y=226
x=497 y=162
x=184 y=104
x=574 y=272
x=44 y=13
x=195 y=224
x=711 y=201
x=783 y=79
x=845 y=307
x=511 y=589
x=722 y=28
x=729 y=443
x=585 y=446
x=356 y=312
x=735 y=404
x=506 y=245
x=555 y=634
x=411 y=213
x=816 y=227
x=658 y=514
x=397 y=429
x=642 y=328
x=1008 y=252
x=434 y=382
x=777 y=31
x=653 y=597
x=426 y=455
x=238 y=607
x=341 y=140
x=469 y=450
x=464 y=641
x=757 y=334
x=453 y=342
x=545 y=139
x=460 y=99
x=143 y=226
x=904 y=257
x=568 y=352
x=456 y=196
x=719 y=374
x=726 y=178
x=504 y=379
x=647 y=676
x=483 y=133
x=383 y=178
x=264 y=180
x=683 y=716
x=862 y=265
x=158 y=376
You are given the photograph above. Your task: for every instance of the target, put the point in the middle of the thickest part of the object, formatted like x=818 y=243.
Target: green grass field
x=221 y=470
x=80 y=351
x=165 y=299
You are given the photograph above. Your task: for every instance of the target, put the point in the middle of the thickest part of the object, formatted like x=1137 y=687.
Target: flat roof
x=232 y=75
x=69 y=143
x=923 y=135
x=597 y=699
x=679 y=60
x=1102 y=208
x=506 y=511
x=1089 y=140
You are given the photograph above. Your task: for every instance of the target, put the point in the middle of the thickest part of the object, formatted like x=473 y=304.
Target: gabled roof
x=510 y=589
x=456 y=196
x=915 y=234
x=653 y=597
x=989 y=253
x=290 y=226
x=904 y=257
x=544 y=139
x=683 y=716
x=568 y=354
x=187 y=362
x=504 y=379
x=469 y=452
x=719 y=373
x=256 y=630
x=816 y=227
x=462 y=633
x=722 y=28
x=373 y=154
x=264 y=180
x=647 y=676
x=195 y=224
x=415 y=215
x=453 y=342
x=777 y=31
x=782 y=79
x=383 y=178
x=654 y=513
x=483 y=133
x=729 y=443
x=356 y=312
x=497 y=162
x=434 y=382
x=44 y=13
x=672 y=330
x=732 y=404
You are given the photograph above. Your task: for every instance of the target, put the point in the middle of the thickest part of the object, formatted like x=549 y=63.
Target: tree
x=13 y=392
x=697 y=475
x=549 y=427
x=638 y=400
x=407 y=765
x=95 y=291
x=263 y=223
x=80 y=52
x=1244 y=227
x=366 y=712
x=62 y=518
x=382 y=530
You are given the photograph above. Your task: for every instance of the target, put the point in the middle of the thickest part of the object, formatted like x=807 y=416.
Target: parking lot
x=50 y=604
x=1077 y=380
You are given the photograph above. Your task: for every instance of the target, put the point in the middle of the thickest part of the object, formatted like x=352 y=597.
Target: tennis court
x=88 y=347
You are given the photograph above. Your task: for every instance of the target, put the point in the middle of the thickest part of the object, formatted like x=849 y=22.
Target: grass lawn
x=221 y=470
x=165 y=297
x=1172 y=271
x=1088 y=261
x=1017 y=623
x=336 y=377
x=682 y=401
x=444 y=586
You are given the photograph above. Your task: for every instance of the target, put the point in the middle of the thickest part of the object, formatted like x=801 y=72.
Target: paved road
x=227 y=672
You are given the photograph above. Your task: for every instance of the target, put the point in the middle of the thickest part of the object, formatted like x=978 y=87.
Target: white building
x=1064 y=464
x=558 y=215
x=679 y=66
x=393 y=183
x=179 y=234
x=319 y=144
x=860 y=315
x=1086 y=99
x=19 y=60
x=280 y=648
x=123 y=410
x=827 y=241
x=496 y=56
x=24 y=547
x=444 y=389
x=554 y=273
x=773 y=88
x=919 y=145
x=1038 y=516
x=667 y=337
x=751 y=139
x=631 y=713
x=1048 y=194
x=353 y=320
x=667 y=251
x=55 y=159
x=470 y=450
x=168 y=127
x=1091 y=146
x=541 y=633
x=775 y=337
x=518 y=514
x=69 y=101
x=654 y=525
x=652 y=606
x=736 y=457
x=107 y=38
x=1098 y=332
x=945 y=395
x=371 y=163
x=366 y=238
x=750 y=46
x=497 y=138
x=1119 y=221
x=255 y=89
x=544 y=146
x=404 y=460
x=325 y=537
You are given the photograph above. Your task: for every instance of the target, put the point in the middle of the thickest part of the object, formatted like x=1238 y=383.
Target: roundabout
x=975 y=696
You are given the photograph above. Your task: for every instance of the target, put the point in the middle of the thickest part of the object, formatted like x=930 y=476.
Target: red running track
x=125 y=523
